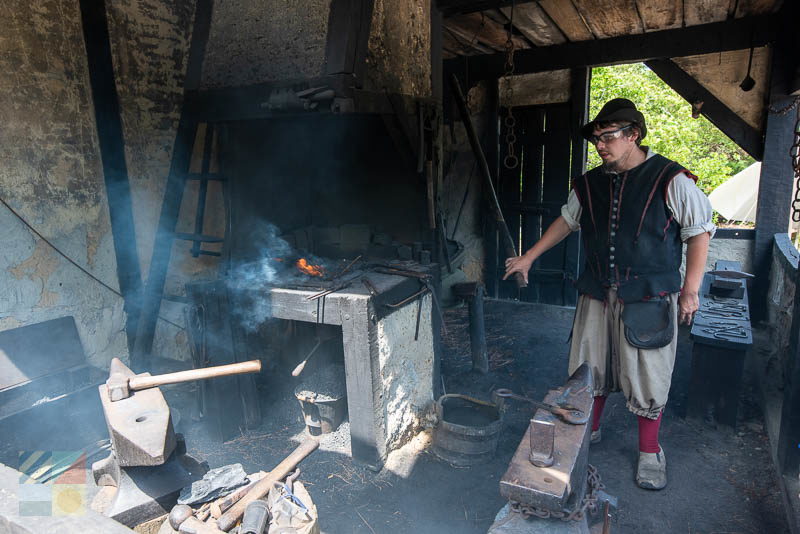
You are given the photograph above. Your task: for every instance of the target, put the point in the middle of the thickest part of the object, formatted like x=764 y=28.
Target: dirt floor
x=719 y=482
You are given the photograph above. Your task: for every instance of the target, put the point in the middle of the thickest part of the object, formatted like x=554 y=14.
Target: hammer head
x=179 y=514
x=117 y=381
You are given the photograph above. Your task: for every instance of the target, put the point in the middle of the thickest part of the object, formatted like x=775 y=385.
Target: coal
x=324 y=384
x=214 y=484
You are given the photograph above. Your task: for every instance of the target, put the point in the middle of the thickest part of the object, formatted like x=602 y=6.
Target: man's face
x=614 y=144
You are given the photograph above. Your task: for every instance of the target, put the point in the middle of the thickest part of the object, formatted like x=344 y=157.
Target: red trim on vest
x=650 y=199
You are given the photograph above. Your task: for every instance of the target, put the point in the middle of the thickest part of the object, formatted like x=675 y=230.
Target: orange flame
x=307 y=268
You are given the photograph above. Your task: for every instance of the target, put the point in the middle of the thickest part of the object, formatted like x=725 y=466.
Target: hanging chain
x=794 y=152
x=589 y=502
x=511 y=161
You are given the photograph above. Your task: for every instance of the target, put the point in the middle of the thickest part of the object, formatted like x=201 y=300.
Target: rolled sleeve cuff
x=571 y=222
x=697 y=229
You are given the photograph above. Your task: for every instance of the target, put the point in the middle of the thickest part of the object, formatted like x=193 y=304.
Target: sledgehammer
x=182 y=519
x=121 y=381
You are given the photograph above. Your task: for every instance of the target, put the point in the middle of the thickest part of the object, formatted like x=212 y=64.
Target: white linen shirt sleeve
x=571 y=211
x=690 y=207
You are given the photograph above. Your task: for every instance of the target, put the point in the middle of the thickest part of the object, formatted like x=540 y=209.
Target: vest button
x=611 y=265
x=611 y=249
x=614 y=208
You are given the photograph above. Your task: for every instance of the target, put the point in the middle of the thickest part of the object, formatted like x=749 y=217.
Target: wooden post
x=477 y=332
x=789 y=436
x=580 y=80
x=775 y=187
x=112 y=154
x=491 y=276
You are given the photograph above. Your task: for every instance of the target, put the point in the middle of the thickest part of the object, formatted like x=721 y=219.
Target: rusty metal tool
x=606 y=518
x=338 y=287
x=370 y=286
x=401 y=272
x=260 y=488
x=347 y=268
x=121 y=381
x=566 y=413
x=182 y=519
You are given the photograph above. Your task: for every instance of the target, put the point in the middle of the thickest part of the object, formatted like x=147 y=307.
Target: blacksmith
x=635 y=212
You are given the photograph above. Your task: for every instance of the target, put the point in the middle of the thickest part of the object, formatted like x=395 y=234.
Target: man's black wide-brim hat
x=618 y=109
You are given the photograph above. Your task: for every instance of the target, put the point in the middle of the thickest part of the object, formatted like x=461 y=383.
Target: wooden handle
x=200 y=527
x=260 y=488
x=221 y=505
x=144 y=382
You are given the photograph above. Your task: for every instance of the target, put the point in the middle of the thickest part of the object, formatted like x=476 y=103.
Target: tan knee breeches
x=643 y=375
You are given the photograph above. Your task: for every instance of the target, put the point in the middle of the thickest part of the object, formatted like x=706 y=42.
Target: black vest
x=630 y=237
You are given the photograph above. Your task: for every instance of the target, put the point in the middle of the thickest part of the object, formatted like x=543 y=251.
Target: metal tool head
x=139 y=425
x=730 y=273
x=179 y=514
x=563 y=410
x=552 y=487
x=117 y=383
x=571 y=415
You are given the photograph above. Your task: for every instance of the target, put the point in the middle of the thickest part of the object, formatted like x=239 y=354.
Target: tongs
x=565 y=412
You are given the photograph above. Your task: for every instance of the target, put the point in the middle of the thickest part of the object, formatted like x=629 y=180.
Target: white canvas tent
x=737 y=198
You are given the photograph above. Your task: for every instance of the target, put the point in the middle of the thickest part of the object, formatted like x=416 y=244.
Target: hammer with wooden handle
x=227 y=520
x=120 y=385
x=182 y=519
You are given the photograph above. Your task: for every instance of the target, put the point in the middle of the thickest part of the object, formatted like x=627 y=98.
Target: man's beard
x=611 y=167
x=618 y=165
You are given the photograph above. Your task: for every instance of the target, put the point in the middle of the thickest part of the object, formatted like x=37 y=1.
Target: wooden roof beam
x=735 y=34
x=459 y=7
x=723 y=117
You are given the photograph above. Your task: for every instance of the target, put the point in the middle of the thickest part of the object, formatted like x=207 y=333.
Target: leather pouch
x=649 y=324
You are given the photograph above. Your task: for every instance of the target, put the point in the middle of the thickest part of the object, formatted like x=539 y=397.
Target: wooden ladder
x=179 y=177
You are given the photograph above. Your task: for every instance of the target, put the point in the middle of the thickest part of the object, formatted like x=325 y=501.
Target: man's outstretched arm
x=554 y=234
x=696 y=254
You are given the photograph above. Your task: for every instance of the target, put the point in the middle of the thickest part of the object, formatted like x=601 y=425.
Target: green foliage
x=671 y=131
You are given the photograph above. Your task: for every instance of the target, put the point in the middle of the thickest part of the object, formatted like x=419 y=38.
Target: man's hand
x=688 y=303
x=518 y=264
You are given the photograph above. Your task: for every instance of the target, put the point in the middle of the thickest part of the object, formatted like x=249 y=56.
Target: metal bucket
x=468 y=430
x=322 y=416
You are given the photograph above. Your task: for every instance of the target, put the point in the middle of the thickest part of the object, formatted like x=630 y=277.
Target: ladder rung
x=199 y=237
x=209 y=253
x=176 y=298
x=206 y=177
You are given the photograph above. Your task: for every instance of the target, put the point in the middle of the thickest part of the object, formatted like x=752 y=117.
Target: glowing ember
x=309 y=269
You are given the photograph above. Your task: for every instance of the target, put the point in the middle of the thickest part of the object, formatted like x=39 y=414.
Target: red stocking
x=648 y=433
x=599 y=404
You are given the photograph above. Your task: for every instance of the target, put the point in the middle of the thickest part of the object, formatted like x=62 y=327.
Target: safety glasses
x=607 y=137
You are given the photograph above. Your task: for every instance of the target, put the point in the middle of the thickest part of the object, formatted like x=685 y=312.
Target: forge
x=326 y=193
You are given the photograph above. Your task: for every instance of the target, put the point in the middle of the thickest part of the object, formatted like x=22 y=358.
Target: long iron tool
x=488 y=182
x=566 y=413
